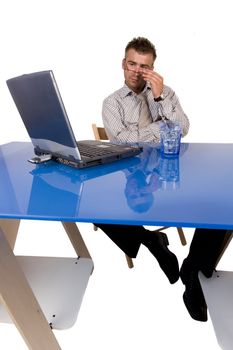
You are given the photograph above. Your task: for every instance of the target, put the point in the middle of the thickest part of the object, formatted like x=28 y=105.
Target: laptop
x=43 y=113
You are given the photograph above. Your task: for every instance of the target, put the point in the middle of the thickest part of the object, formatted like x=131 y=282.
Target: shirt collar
x=126 y=91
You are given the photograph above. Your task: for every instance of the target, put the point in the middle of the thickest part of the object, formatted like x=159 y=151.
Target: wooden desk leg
x=76 y=239
x=10 y=228
x=19 y=300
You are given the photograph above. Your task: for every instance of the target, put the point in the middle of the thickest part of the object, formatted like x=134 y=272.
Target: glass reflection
x=169 y=172
x=142 y=181
x=154 y=172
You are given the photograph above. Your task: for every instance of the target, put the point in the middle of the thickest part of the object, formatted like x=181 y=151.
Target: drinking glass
x=170 y=135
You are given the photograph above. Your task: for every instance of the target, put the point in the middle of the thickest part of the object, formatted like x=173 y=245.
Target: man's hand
x=155 y=80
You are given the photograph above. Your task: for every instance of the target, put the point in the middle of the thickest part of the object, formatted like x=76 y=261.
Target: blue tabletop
x=192 y=190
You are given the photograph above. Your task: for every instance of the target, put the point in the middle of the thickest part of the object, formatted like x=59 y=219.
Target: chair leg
x=129 y=261
x=182 y=236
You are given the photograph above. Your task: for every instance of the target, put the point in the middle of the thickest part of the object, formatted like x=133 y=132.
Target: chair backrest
x=99 y=132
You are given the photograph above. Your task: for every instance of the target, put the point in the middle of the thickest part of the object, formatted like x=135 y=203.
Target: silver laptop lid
x=40 y=105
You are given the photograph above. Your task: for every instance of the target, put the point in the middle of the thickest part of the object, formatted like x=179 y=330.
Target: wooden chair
x=100 y=134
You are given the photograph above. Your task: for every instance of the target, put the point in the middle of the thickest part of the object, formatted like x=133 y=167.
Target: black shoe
x=193 y=296
x=157 y=244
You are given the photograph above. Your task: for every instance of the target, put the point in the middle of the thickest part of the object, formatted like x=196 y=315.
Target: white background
x=83 y=43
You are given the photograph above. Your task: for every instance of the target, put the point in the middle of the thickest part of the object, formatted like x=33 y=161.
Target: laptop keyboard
x=92 y=151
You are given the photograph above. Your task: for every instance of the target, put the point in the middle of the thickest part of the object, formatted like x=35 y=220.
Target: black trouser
x=206 y=247
x=204 y=252
x=127 y=237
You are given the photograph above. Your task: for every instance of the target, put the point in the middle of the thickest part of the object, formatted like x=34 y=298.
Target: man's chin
x=135 y=86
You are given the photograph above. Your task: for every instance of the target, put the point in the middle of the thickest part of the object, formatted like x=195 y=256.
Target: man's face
x=133 y=64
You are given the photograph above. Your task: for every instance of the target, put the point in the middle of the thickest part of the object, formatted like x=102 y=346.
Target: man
x=134 y=114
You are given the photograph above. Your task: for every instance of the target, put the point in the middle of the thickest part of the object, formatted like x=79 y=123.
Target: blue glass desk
x=193 y=190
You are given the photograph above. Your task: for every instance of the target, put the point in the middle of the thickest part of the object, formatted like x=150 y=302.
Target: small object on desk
x=170 y=135
x=40 y=159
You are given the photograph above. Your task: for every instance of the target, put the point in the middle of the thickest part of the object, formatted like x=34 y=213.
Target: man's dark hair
x=141 y=45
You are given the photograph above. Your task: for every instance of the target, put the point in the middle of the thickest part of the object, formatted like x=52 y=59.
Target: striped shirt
x=121 y=111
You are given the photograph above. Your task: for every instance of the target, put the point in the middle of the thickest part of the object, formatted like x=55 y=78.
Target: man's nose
x=138 y=69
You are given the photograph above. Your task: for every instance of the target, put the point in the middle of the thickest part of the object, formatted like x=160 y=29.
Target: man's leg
x=205 y=250
x=129 y=238
x=126 y=237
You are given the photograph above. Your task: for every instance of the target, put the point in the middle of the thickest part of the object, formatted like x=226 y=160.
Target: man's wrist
x=159 y=98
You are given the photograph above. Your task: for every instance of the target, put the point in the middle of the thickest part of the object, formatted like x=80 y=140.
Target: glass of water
x=170 y=135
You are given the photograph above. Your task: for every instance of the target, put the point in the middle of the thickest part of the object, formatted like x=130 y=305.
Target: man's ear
x=123 y=63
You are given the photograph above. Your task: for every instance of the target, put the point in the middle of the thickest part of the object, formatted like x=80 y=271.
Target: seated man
x=141 y=181
x=134 y=114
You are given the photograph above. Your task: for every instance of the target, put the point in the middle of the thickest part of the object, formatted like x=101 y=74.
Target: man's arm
x=121 y=122
x=170 y=108
x=118 y=130
x=169 y=105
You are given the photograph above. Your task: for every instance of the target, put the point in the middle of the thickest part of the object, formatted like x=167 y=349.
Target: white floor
x=123 y=308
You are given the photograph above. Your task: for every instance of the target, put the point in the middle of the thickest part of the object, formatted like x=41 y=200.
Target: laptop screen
x=40 y=105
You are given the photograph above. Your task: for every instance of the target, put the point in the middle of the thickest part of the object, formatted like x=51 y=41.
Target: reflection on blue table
x=193 y=190
x=154 y=171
